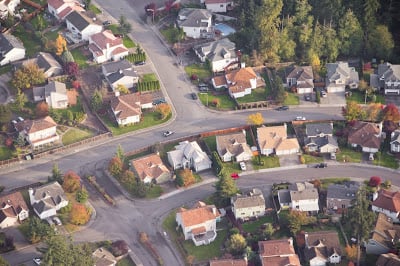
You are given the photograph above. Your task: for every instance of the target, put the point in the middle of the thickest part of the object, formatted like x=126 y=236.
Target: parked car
x=242 y=166
x=168 y=133
x=119 y=35
x=57 y=220
x=324 y=94
x=321 y=165
x=37 y=261
x=282 y=108
x=106 y=23
x=20 y=119
x=203 y=88
x=235 y=176
x=194 y=96
x=300 y=118
x=140 y=63
x=307 y=98
x=159 y=101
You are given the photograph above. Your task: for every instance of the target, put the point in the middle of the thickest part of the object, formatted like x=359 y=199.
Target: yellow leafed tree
x=61 y=44
x=255 y=119
x=351 y=252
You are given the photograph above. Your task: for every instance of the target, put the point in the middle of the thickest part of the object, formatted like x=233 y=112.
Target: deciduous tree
x=115 y=166
x=391 y=113
x=67 y=57
x=374 y=111
x=42 y=109
x=27 y=76
x=72 y=69
x=164 y=110
x=185 y=178
x=82 y=195
x=119 y=248
x=122 y=89
x=20 y=99
x=71 y=182
x=353 y=111
x=351 y=252
x=79 y=214
x=297 y=219
x=5 y=113
x=96 y=101
x=236 y=244
x=56 y=174
x=255 y=119
x=61 y=44
x=225 y=189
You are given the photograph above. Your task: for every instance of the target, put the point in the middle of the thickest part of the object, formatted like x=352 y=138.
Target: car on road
x=300 y=118
x=168 y=133
x=37 y=261
x=324 y=94
x=194 y=96
x=106 y=23
x=242 y=166
x=282 y=108
x=159 y=101
x=235 y=176
x=321 y=165
x=140 y=63
x=57 y=220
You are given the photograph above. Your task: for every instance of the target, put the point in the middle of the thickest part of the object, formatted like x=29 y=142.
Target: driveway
x=4 y=92
x=392 y=99
x=19 y=239
x=334 y=98
x=289 y=160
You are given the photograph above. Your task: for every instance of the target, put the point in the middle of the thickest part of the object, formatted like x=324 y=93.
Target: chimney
x=290 y=240
x=374 y=196
x=239 y=56
x=214 y=210
x=116 y=93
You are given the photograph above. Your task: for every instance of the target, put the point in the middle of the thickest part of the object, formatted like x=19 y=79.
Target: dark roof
x=365 y=134
x=194 y=17
x=79 y=20
x=395 y=137
x=284 y=196
x=388 y=200
x=114 y=77
x=115 y=66
x=8 y=42
x=345 y=191
x=388 y=259
x=322 y=141
x=317 y=129
x=322 y=244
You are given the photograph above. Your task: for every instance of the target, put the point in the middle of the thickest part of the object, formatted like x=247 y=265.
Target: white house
x=126 y=109
x=120 y=72
x=38 y=132
x=189 y=155
x=11 y=49
x=340 y=75
x=199 y=223
x=81 y=26
x=304 y=197
x=388 y=203
x=301 y=78
x=273 y=140
x=54 y=93
x=7 y=7
x=387 y=78
x=61 y=8
x=322 y=247
x=233 y=146
x=220 y=53
x=218 y=6
x=13 y=209
x=195 y=22
x=383 y=237
x=104 y=46
x=248 y=206
x=395 y=141
x=46 y=200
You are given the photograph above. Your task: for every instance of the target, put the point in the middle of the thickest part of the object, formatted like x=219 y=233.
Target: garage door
x=335 y=89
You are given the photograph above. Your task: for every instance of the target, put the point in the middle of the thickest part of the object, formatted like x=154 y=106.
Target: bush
x=374 y=181
x=82 y=195
x=119 y=248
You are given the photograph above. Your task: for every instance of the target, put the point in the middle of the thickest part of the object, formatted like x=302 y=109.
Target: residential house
x=387 y=78
x=47 y=63
x=387 y=202
x=46 y=200
x=7 y=8
x=38 y=132
x=322 y=247
x=233 y=147
x=248 y=206
x=11 y=49
x=151 y=169
x=341 y=196
x=228 y=262
x=54 y=94
x=115 y=66
x=199 y=223
x=340 y=75
x=300 y=197
x=127 y=109
x=104 y=46
x=189 y=155
x=218 y=6
x=366 y=136
x=81 y=26
x=384 y=237
x=301 y=78
x=319 y=138
x=61 y=8
x=395 y=141
x=195 y=23
x=220 y=53
x=120 y=73
x=388 y=259
x=103 y=257
x=273 y=140
x=278 y=252
x=13 y=209
x=239 y=82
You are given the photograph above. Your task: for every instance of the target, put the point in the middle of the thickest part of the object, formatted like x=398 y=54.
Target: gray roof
x=46 y=61
x=114 y=77
x=284 y=196
x=302 y=73
x=389 y=72
x=322 y=141
x=317 y=129
x=340 y=71
x=395 y=136
x=216 y=50
x=194 y=17
x=343 y=191
x=53 y=190
x=300 y=186
x=8 y=42
x=252 y=200
x=79 y=20
x=304 y=194
x=52 y=86
x=115 y=66
x=234 y=143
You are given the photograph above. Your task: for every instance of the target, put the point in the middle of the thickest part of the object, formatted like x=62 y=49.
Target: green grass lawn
x=126 y=261
x=200 y=70
x=31 y=43
x=291 y=99
x=309 y=159
x=5 y=69
x=52 y=35
x=256 y=95
x=149 y=77
x=154 y=192
x=79 y=58
x=252 y=227
x=348 y=155
x=128 y=42
x=386 y=160
x=359 y=97
x=206 y=252
x=74 y=135
x=5 y=153
x=226 y=102
x=94 y=9
x=211 y=143
x=267 y=162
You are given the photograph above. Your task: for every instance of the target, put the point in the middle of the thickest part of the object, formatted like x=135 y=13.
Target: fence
x=223 y=131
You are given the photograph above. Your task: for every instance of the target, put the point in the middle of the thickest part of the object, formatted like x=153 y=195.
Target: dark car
x=307 y=98
x=119 y=35
x=106 y=23
x=140 y=63
x=194 y=96
x=159 y=101
x=321 y=165
x=282 y=108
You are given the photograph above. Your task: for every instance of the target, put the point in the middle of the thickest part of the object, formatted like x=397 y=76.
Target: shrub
x=119 y=248
x=71 y=182
x=82 y=195
x=374 y=181
x=79 y=214
x=302 y=159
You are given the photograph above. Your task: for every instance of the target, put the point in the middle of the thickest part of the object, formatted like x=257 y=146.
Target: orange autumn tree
x=185 y=178
x=71 y=182
x=351 y=252
x=79 y=214
x=61 y=44
x=164 y=110
x=42 y=109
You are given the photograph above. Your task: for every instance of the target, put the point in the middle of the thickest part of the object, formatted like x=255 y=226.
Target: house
x=104 y=46
x=300 y=196
x=61 y=8
x=239 y=82
x=341 y=196
x=384 y=237
x=127 y=109
x=189 y=155
x=340 y=75
x=273 y=140
x=13 y=209
x=11 y=49
x=195 y=23
x=218 y=6
x=278 y=252
x=81 y=27
x=322 y=247
x=395 y=141
x=319 y=138
x=388 y=259
x=115 y=66
x=366 y=136
x=220 y=53
x=151 y=169
x=54 y=94
x=103 y=257
x=248 y=206
x=46 y=200
x=228 y=262
x=120 y=72
x=47 y=63
x=199 y=223
x=387 y=78
x=233 y=147
x=38 y=132
x=301 y=78
x=387 y=202
x=7 y=7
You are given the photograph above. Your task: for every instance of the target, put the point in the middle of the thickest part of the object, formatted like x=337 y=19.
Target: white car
x=37 y=261
x=242 y=166
x=300 y=118
x=168 y=133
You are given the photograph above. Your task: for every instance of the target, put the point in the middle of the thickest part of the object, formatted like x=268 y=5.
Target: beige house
x=273 y=140
x=38 y=132
x=189 y=155
x=61 y=8
x=54 y=94
x=248 y=206
x=151 y=169
x=127 y=108
x=13 y=209
x=339 y=75
x=233 y=147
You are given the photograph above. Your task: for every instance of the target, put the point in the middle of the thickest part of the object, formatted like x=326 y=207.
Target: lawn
x=206 y=252
x=74 y=135
x=52 y=34
x=200 y=70
x=31 y=43
x=349 y=156
x=126 y=261
x=211 y=143
x=359 y=97
x=266 y=162
x=386 y=160
x=79 y=58
x=309 y=159
x=256 y=95
x=252 y=227
x=149 y=77
x=154 y=192
x=5 y=69
x=291 y=99
x=94 y=9
x=126 y=40
x=5 y=153
x=225 y=102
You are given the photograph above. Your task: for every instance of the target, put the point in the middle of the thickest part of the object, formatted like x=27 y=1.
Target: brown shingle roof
x=149 y=166
x=275 y=138
x=32 y=126
x=234 y=143
x=385 y=231
x=272 y=248
x=101 y=39
x=389 y=259
x=13 y=201
x=246 y=201
x=126 y=105
x=329 y=239
x=388 y=200
x=219 y=81
x=365 y=134
x=292 y=260
x=240 y=79
x=228 y=262
x=199 y=214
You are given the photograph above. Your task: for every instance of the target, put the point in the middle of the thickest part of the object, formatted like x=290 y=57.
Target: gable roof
x=275 y=138
x=194 y=17
x=12 y=205
x=388 y=259
x=240 y=79
x=305 y=194
x=216 y=50
x=118 y=75
x=9 y=42
x=365 y=134
x=189 y=151
x=228 y=262
x=389 y=72
x=47 y=197
x=127 y=105
x=32 y=126
x=115 y=66
x=292 y=260
x=279 y=247
x=303 y=75
x=342 y=191
x=199 y=214
x=55 y=3
x=388 y=200
x=320 y=128
x=253 y=199
x=395 y=136
x=325 y=242
x=104 y=38
x=385 y=231
x=321 y=141
x=149 y=166
x=234 y=143
x=79 y=20
x=103 y=257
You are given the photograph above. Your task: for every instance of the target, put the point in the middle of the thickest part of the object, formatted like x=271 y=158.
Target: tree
x=72 y=69
x=96 y=101
x=115 y=167
x=38 y=230
x=381 y=42
x=124 y=26
x=164 y=110
x=225 y=189
x=61 y=44
x=350 y=34
x=120 y=153
x=185 y=178
x=236 y=244
x=268 y=231
x=279 y=92
x=128 y=177
x=3 y=262
x=5 y=114
x=76 y=85
x=297 y=219
x=27 y=76
x=255 y=119
x=374 y=111
x=362 y=85
x=79 y=214
x=351 y=252
x=67 y=57
x=42 y=109
x=122 y=89
x=331 y=43
x=119 y=248
x=216 y=102
x=71 y=182
x=56 y=174
x=391 y=113
x=353 y=111
x=374 y=181
x=82 y=195
x=20 y=99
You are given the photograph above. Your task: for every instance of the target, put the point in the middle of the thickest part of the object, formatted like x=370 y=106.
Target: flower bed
x=92 y=181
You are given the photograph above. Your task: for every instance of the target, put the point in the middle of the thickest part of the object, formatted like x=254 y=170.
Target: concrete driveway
x=334 y=98
x=289 y=160
x=19 y=239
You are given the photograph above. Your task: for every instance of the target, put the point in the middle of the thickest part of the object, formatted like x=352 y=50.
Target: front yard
x=309 y=159
x=73 y=135
x=386 y=160
x=347 y=155
x=225 y=101
x=262 y=162
x=200 y=70
x=291 y=99
x=359 y=97
x=256 y=95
